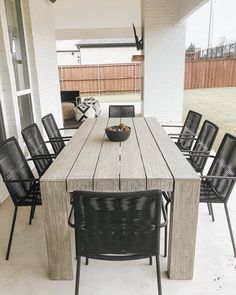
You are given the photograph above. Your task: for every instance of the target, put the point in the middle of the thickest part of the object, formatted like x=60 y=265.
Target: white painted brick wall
x=164 y=47
x=44 y=44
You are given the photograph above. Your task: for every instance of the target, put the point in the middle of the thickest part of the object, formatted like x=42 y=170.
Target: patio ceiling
x=95 y=19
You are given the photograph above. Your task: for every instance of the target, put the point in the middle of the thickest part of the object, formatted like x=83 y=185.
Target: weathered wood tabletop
x=147 y=160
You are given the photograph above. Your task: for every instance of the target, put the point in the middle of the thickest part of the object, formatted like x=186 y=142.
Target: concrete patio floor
x=27 y=271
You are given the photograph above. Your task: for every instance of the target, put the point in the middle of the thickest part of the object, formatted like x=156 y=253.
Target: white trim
x=23 y=92
x=34 y=110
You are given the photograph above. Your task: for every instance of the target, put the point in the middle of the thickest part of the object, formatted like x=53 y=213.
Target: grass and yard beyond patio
x=215 y=104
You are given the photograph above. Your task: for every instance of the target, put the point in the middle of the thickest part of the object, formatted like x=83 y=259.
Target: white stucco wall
x=164 y=47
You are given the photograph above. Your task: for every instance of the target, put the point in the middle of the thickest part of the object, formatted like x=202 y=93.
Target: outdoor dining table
x=147 y=160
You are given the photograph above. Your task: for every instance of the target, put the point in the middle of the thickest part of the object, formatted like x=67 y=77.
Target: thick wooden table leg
x=55 y=201
x=183 y=229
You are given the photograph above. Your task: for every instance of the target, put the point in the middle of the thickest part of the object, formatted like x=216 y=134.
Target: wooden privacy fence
x=107 y=78
x=210 y=73
x=101 y=78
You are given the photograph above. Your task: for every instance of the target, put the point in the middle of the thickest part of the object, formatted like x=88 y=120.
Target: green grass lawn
x=215 y=104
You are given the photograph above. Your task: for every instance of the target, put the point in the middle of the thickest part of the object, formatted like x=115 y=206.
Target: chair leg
x=86 y=261
x=31 y=214
x=34 y=209
x=212 y=212
x=230 y=229
x=158 y=275
x=77 y=276
x=33 y=206
x=11 y=233
x=150 y=260
x=166 y=232
x=209 y=208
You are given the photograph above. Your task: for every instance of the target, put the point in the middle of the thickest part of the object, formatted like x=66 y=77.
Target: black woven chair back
x=189 y=129
x=37 y=147
x=13 y=166
x=224 y=164
x=117 y=111
x=204 y=143
x=117 y=224
x=53 y=133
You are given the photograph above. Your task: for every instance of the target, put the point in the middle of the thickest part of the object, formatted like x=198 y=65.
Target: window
x=17 y=44
x=19 y=60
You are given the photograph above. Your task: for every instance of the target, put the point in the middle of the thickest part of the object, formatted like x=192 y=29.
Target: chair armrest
x=166 y=125
x=36 y=180
x=163 y=224
x=173 y=134
x=52 y=156
x=66 y=137
x=218 y=177
x=55 y=139
x=71 y=218
x=69 y=128
x=196 y=152
x=199 y=155
x=182 y=136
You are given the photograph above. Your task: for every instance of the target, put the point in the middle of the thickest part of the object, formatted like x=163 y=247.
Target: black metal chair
x=54 y=135
x=37 y=148
x=22 y=186
x=202 y=146
x=217 y=185
x=117 y=226
x=187 y=135
x=117 y=111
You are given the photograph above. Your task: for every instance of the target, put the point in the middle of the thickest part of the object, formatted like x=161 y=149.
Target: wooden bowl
x=115 y=134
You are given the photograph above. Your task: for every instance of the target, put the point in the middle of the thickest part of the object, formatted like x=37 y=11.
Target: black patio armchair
x=117 y=111
x=22 y=186
x=117 y=226
x=202 y=146
x=197 y=157
x=218 y=184
x=54 y=135
x=188 y=132
x=37 y=148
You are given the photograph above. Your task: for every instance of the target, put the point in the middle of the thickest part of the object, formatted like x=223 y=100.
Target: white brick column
x=45 y=78
x=164 y=48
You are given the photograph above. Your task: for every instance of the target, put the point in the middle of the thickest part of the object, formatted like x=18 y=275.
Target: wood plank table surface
x=147 y=160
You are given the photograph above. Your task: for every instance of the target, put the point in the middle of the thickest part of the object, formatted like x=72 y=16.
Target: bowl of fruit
x=118 y=133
